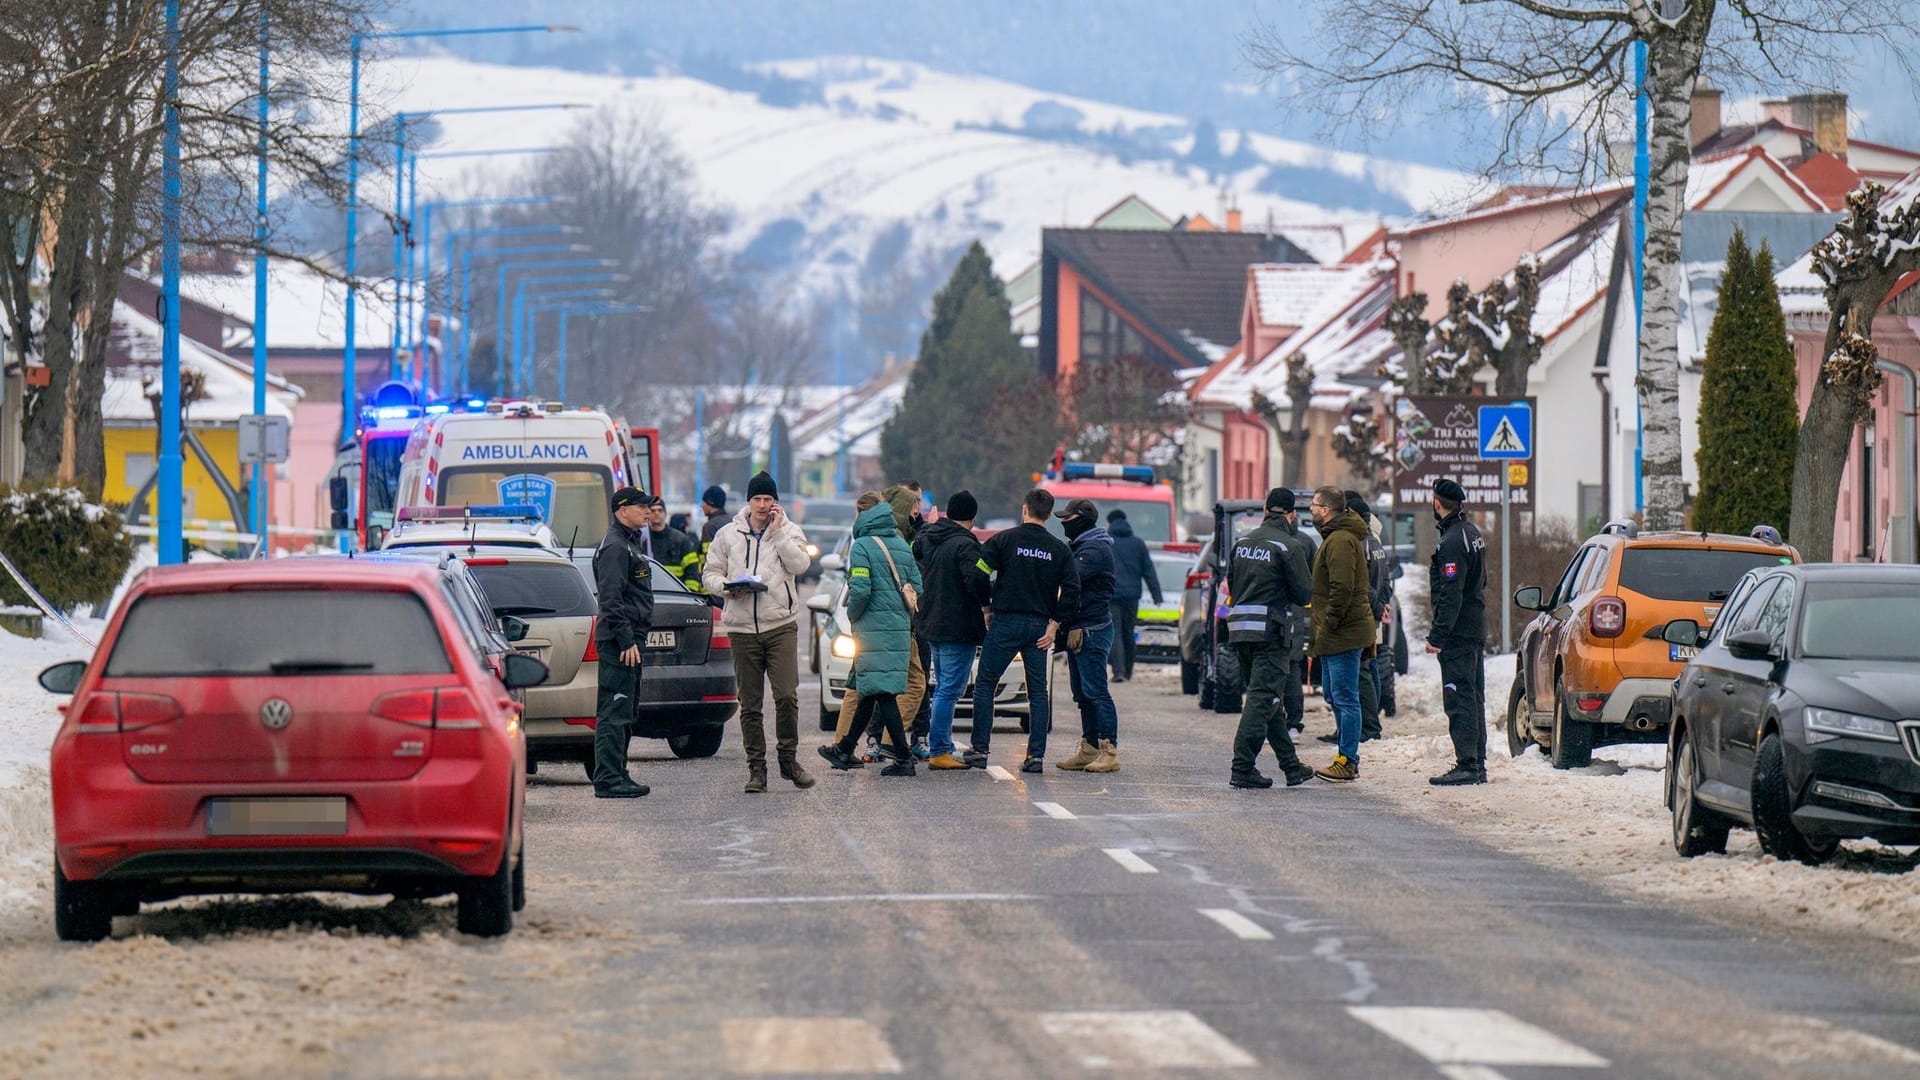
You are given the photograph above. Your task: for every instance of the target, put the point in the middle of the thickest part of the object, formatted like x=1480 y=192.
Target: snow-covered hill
x=898 y=158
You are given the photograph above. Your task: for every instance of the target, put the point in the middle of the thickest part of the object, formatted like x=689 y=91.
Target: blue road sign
x=1506 y=432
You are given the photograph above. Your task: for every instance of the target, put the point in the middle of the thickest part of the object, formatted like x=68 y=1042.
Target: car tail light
x=718 y=640
x=1199 y=579
x=592 y=655
x=406 y=707
x=455 y=710
x=1607 y=618
x=485 y=562
x=107 y=713
x=99 y=714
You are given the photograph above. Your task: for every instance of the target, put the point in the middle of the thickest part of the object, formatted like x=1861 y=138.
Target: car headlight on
x=844 y=646
x=813 y=551
x=1826 y=724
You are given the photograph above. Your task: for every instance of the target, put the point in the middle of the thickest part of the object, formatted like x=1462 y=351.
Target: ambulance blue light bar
x=1100 y=470
x=505 y=512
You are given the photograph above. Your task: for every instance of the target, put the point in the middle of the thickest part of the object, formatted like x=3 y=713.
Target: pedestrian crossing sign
x=1506 y=431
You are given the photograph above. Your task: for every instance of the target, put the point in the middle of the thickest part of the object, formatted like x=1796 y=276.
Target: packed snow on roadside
x=28 y=718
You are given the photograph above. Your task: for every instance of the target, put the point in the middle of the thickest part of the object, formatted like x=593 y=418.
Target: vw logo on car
x=276 y=714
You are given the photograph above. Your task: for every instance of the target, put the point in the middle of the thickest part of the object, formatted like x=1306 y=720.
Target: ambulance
x=564 y=461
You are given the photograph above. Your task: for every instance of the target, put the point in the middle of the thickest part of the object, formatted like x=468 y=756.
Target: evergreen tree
x=976 y=414
x=1749 y=408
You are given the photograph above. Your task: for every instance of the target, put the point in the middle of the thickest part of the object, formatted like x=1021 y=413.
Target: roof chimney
x=1234 y=220
x=1705 y=122
x=1776 y=109
x=1827 y=119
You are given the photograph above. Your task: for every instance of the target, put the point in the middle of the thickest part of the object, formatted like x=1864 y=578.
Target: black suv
x=1796 y=717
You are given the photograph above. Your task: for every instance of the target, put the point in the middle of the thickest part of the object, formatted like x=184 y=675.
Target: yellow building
x=224 y=394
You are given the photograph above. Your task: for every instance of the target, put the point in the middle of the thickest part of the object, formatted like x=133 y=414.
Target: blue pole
x=410 y=337
x=1642 y=167
x=700 y=440
x=171 y=481
x=420 y=292
x=399 y=233
x=500 y=334
x=562 y=362
x=466 y=318
x=348 y=393
x=259 y=484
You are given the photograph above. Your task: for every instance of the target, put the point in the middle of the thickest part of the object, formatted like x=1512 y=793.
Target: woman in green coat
x=878 y=566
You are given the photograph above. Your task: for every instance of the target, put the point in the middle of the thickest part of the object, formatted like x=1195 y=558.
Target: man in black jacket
x=1035 y=592
x=1132 y=566
x=1266 y=583
x=1301 y=548
x=670 y=547
x=624 y=579
x=1457 y=580
x=1090 y=640
x=952 y=619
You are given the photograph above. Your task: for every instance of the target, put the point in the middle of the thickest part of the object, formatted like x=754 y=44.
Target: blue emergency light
x=436 y=410
x=1101 y=470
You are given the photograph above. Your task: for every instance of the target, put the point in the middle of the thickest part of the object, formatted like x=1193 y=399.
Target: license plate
x=662 y=639
x=301 y=816
x=1156 y=637
x=1682 y=652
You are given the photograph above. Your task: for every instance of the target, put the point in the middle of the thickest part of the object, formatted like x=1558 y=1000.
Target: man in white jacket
x=752 y=565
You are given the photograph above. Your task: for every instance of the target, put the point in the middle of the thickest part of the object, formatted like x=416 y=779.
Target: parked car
x=1794 y=717
x=289 y=725
x=1593 y=666
x=822 y=540
x=1157 y=631
x=833 y=574
x=836 y=664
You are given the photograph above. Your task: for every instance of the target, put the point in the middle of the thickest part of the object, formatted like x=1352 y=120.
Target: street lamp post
x=571 y=308
x=522 y=355
x=259 y=480
x=466 y=266
x=420 y=285
x=500 y=308
x=170 y=515
x=348 y=392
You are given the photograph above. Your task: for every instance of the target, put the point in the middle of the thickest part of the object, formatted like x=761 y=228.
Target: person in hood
x=1343 y=627
x=904 y=498
x=752 y=564
x=952 y=615
x=880 y=572
x=1132 y=568
x=1266 y=581
x=1036 y=591
x=1458 y=582
x=1090 y=640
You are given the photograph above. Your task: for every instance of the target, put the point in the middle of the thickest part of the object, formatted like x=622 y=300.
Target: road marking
x=881 y=898
x=1134 y=863
x=1170 y=1039
x=846 y=1046
x=1238 y=925
x=998 y=773
x=1471 y=1072
x=1447 y=1036
x=1055 y=810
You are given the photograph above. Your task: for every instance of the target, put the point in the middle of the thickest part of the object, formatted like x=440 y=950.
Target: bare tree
x=1872 y=249
x=1554 y=78
x=1360 y=442
x=1293 y=442
x=1129 y=410
x=1496 y=324
x=1407 y=322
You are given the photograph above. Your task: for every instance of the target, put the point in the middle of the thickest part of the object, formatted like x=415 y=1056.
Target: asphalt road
x=977 y=925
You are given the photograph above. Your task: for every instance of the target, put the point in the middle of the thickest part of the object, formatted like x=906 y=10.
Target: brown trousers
x=909 y=701
x=772 y=656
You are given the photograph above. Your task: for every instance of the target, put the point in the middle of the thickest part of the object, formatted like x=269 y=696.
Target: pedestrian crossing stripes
x=1238 y=925
x=1055 y=810
x=1448 y=1036
x=827 y=1045
x=1133 y=863
x=1153 y=1039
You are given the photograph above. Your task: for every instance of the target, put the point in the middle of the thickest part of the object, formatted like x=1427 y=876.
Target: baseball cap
x=1078 y=508
x=629 y=496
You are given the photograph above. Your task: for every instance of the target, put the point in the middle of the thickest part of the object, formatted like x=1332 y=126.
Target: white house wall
x=1567 y=424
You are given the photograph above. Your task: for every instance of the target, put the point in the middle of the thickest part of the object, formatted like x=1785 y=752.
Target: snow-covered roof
x=1344 y=341
x=1711 y=178
x=856 y=413
x=1801 y=290
x=1577 y=269
x=305 y=309
x=228 y=388
x=1297 y=294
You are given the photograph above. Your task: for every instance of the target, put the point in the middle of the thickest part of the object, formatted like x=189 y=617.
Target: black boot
x=839 y=758
x=756 y=777
x=1460 y=775
x=1250 y=779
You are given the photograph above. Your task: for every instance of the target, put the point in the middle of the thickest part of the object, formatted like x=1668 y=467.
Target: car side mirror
x=64 y=677
x=1751 y=645
x=337 y=494
x=821 y=602
x=514 y=627
x=521 y=671
x=338 y=522
x=376 y=537
x=832 y=561
x=1529 y=598
x=1682 y=632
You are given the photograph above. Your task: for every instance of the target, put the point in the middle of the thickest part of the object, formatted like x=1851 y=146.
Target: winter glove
x=1076 y=639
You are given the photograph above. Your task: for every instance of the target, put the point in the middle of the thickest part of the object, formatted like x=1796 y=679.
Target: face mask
x=1077 y=526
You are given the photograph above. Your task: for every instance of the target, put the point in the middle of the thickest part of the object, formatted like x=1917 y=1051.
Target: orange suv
x=1593 y=668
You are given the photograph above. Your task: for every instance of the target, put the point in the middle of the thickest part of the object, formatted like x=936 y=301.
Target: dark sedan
x=1796 y=717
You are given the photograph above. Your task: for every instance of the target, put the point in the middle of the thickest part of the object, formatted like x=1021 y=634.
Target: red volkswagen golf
x=287 y=726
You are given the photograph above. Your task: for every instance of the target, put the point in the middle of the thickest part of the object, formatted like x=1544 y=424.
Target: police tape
x=40 y=602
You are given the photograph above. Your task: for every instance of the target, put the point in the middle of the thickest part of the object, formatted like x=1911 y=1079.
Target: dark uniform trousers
x=1463 y=692
x=1369 y=699
x=1269 y=669
x=614 y=717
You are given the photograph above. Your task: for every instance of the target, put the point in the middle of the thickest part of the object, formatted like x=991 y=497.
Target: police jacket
x=1379 y=574
x=1035 y=572
x=957 y=589
x=1266 y=582
x=1132 y=566
x=1093 y=562
x=1457 y=580
x=624 y=579
x=1301 y=550
x=674 y=550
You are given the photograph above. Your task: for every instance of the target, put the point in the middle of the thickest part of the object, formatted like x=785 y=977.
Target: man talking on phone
x=752 y=565
x=624 y=578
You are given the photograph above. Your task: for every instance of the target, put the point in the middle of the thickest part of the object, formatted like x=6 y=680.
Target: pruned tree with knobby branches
x=1554 y=82
x=1360 y=442
x=1128 y=410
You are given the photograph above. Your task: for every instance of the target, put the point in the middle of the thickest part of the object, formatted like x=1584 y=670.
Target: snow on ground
x=28 y=719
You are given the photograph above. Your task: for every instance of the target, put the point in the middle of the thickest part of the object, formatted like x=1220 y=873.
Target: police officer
x=624 y=579
x=1265 y=582
x=1457 y=581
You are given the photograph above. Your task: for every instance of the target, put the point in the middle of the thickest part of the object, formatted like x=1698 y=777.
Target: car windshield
x=339 y=631
x=1172 y=574
x=1689 y=574
x=1861 y=620
x=534 y=590
x=663 y=582
x=381 y=464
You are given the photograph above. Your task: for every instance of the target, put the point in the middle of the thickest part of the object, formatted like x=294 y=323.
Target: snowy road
x=967 y=926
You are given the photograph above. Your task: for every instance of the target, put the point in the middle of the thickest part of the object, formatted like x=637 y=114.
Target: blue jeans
x=1340 y=682
x=1010 y=636
x=951 y=664
x=1087 y=677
